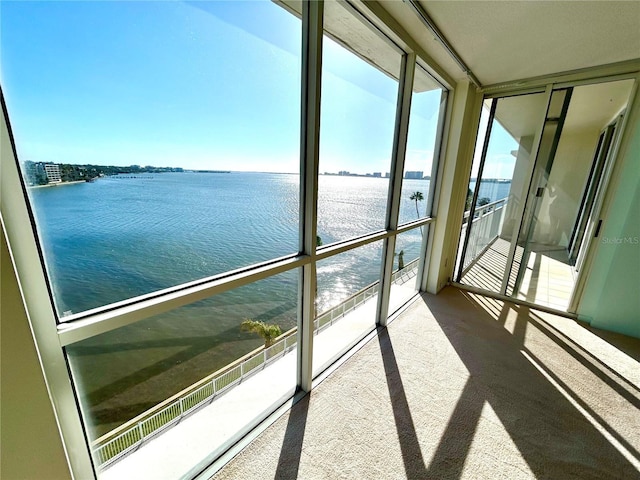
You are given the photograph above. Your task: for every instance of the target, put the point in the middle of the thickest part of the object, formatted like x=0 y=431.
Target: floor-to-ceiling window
x=158 y=145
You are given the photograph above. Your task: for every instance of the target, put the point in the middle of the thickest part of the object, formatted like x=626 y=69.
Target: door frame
x=593 y=185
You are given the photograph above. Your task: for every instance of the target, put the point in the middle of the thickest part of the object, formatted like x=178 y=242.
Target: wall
x=610 y=299
x=30 y=445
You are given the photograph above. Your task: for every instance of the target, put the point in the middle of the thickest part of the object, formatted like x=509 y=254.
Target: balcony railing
x=485 y=228
x=129 y=436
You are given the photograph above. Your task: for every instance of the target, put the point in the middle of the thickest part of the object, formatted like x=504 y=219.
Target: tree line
x=35 y=173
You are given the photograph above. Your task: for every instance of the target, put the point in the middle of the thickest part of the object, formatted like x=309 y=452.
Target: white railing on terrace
x=126 y=438
x=485 y=228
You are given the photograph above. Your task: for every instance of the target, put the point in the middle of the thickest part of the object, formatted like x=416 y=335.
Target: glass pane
x=503 y=187
x=405 y=267
x=419 y=165
x=138 y=380
x=152 y=119
x=546 y=274
x=346 y=301
x=359 y=96
x=548 y=143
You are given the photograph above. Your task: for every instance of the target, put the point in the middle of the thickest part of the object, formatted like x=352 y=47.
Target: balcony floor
x=463 y=386
x=548 y=279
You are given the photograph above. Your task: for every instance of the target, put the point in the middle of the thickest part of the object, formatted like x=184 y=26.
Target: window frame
x=52 y=336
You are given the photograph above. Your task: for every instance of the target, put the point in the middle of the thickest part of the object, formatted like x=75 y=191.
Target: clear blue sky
x=208 y=85
x=500 y=162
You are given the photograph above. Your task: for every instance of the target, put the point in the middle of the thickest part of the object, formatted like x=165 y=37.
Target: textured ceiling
x=502 y=41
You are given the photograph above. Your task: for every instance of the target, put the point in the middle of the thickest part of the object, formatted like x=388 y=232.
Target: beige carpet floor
x=461 y=386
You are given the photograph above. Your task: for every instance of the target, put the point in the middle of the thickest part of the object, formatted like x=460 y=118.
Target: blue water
x=492 y=190
x=120 y=237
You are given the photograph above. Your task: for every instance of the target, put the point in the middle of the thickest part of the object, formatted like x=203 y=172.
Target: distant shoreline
x=57 y=184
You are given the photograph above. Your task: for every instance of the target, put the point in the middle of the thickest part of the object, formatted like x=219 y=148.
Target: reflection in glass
x=405 y=267
x=419 y=165
x=171 y=87
x=193 y=353
x=357 y=126
x=346 y=301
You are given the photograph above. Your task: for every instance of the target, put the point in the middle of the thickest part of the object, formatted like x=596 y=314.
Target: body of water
x=492 y=190
x=123 y=236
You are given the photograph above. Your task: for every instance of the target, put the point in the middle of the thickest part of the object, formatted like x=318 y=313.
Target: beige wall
x=30 y=445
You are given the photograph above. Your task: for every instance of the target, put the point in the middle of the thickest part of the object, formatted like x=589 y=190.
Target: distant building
x=53 y=173
x=414 y=175
x=377 y=174
x=344 y=172
x=386 y=175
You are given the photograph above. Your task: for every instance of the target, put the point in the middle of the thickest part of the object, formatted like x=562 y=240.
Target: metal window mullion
x=352 y=244
x=434 y=189
x=572 y=78
x=405 y=90
x=128 y=313
x=312 y=30
x=17 y=224
x=437 y=154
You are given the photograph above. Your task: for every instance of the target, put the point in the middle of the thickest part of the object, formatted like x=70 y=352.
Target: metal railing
x=485 y=228
x=128 y=437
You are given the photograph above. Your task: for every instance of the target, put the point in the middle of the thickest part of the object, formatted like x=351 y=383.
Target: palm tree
x=467 y=204
x=269 y=332
x=418 y=197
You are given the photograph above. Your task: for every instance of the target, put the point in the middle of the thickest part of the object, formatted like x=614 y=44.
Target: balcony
x=548 y=278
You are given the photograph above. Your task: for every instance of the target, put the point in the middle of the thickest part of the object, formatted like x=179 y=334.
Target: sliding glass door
x=536 y=228
x=498 y=188
x=539 y=172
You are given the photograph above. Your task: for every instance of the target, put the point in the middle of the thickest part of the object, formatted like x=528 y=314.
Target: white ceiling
x=502 y=41
x=592 y=108
x=595 y=106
